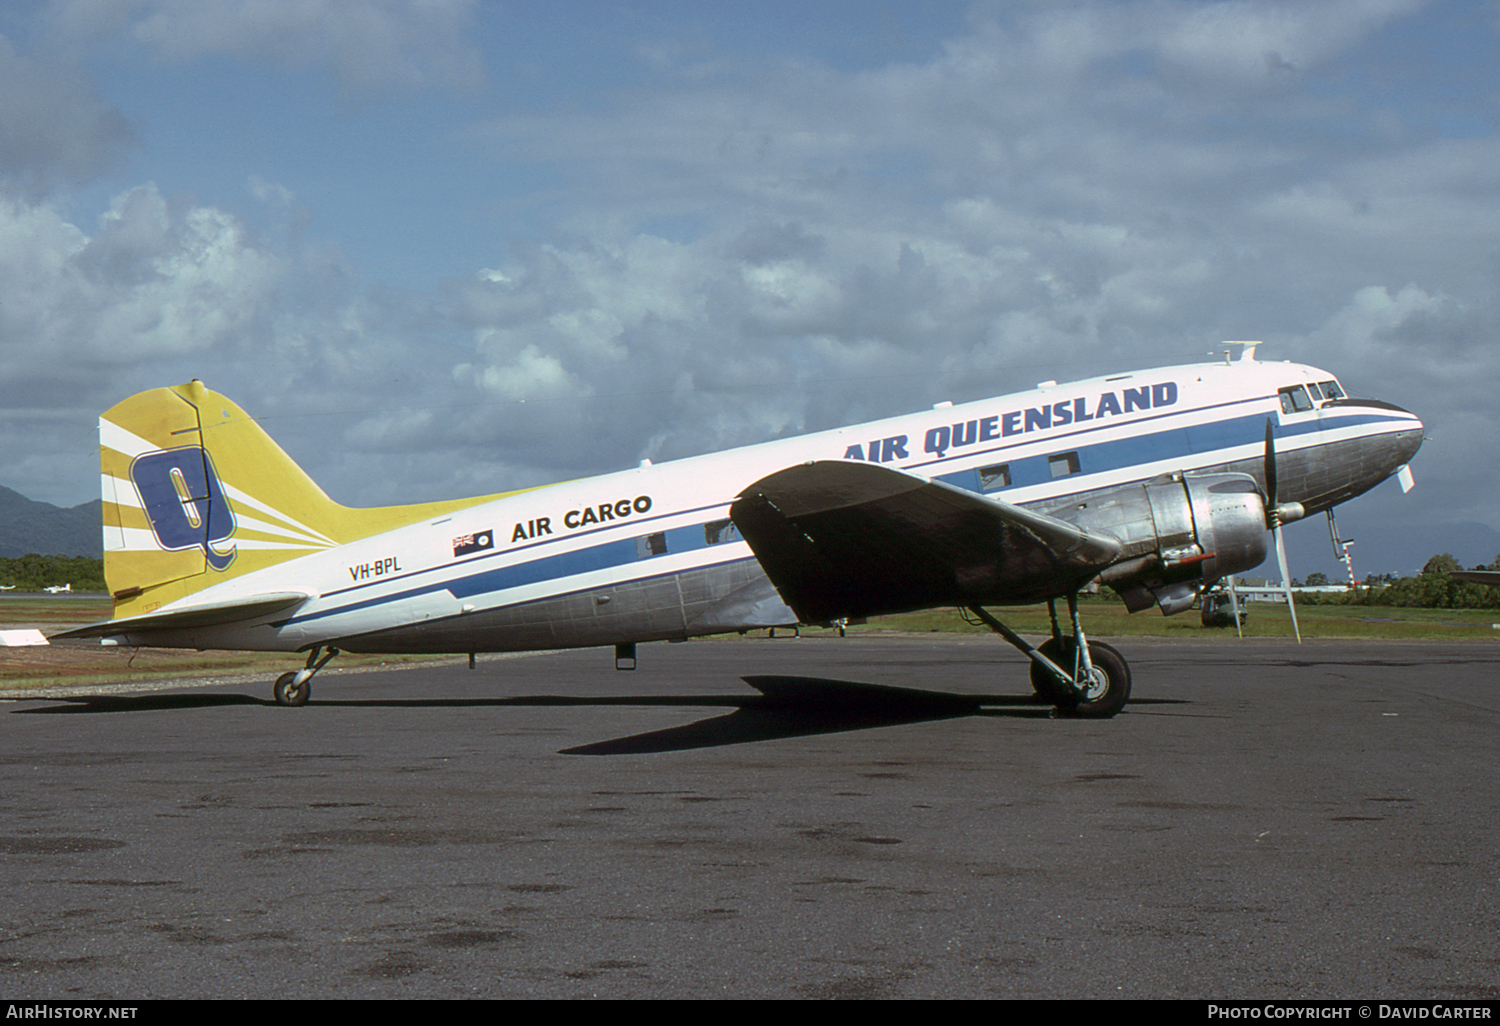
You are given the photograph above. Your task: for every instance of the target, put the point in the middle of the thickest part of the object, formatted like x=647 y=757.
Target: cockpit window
x=1314 y=391
x=1294 y=399
x=1331 y=390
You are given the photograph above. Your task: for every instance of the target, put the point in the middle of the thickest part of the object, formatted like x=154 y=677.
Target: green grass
x=52 y=614
x=1104 y=617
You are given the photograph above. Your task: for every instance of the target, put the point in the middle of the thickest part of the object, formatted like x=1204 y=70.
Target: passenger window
x=1294 y=400
x=718 y=532
x=991 y=478
x=1063 y=464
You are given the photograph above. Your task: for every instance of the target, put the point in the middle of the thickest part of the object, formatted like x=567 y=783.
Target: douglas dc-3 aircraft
x=1154 y=483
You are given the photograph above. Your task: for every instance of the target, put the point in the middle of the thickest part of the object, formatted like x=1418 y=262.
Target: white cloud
x=148 y=283
x=1373 y=314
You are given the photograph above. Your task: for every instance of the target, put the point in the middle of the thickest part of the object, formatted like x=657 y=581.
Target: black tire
x=1107 y=694
x=288 y=692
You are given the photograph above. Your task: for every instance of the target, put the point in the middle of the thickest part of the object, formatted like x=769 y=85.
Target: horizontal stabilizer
x=1491 y=577
x=845 y=539
x=211 y=614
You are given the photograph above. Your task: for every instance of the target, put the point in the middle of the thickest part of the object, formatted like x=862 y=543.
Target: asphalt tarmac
x=1263 y=821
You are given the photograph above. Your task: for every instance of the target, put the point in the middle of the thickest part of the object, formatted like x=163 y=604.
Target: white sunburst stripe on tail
x=130 y=539
x=267 y=546
x=143 y=539
x=117 y=493
x=238 y=497
x=113 y=436
x=249 y=523
x=121 y=492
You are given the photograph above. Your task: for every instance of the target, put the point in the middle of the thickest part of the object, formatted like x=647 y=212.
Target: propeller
x=1275 y=514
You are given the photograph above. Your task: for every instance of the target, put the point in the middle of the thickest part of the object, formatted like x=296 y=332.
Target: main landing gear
x=295 y=687
x=1082 y=678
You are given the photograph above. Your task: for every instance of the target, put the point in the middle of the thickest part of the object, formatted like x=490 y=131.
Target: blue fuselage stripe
x=603 y=556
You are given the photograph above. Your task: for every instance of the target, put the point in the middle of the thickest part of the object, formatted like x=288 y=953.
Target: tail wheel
x=290 y=691
x=1104 y=693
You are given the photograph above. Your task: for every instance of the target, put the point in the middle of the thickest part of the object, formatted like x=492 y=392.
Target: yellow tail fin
x=195 y=493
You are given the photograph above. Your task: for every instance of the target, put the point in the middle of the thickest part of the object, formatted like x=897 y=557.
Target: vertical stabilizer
x=195 y=493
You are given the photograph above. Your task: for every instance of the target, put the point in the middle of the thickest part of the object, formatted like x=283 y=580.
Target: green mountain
x=28 y=526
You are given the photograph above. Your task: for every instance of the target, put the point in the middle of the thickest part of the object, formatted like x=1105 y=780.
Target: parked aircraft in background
x=58 y=589
x=1154 y=483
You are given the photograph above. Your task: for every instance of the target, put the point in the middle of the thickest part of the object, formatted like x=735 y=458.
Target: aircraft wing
x=1477 y=576
x=845 y=539
x=209 y=614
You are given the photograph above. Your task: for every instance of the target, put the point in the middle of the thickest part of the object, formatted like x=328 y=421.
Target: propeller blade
x=1286 y=581
x=1274 y=519
x=1270 y=467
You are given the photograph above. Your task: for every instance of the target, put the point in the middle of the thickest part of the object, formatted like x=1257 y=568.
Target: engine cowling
x=1179 y=533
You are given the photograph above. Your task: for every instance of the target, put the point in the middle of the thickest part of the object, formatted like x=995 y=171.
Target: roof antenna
x=1247 y=355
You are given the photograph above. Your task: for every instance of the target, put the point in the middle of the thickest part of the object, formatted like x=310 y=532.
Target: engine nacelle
x=1179 y=533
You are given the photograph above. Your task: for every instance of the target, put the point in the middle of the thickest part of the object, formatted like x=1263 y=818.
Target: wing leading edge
x=846 y=539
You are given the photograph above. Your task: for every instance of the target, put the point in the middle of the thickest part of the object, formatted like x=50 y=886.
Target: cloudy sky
x=446 y=247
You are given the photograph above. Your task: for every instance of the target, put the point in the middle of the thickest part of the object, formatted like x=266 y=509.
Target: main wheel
x=1105 y=693
x=289 y=692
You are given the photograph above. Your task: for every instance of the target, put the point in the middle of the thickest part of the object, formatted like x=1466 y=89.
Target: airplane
x=58 y=589
x=1490 y=577
x=1154 y=483
x=7 y=587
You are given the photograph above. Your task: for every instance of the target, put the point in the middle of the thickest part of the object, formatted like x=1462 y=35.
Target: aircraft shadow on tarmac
x=787 y=706
x=799 y=706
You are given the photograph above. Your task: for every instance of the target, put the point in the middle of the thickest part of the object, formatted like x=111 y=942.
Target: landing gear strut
x=294 y=687
x=1082 y=678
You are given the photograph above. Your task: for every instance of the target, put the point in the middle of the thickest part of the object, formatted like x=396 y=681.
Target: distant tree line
x=1434 y=588
x=33 y=572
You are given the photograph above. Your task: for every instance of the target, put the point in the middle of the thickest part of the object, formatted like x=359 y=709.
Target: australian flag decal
x=480 y=541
